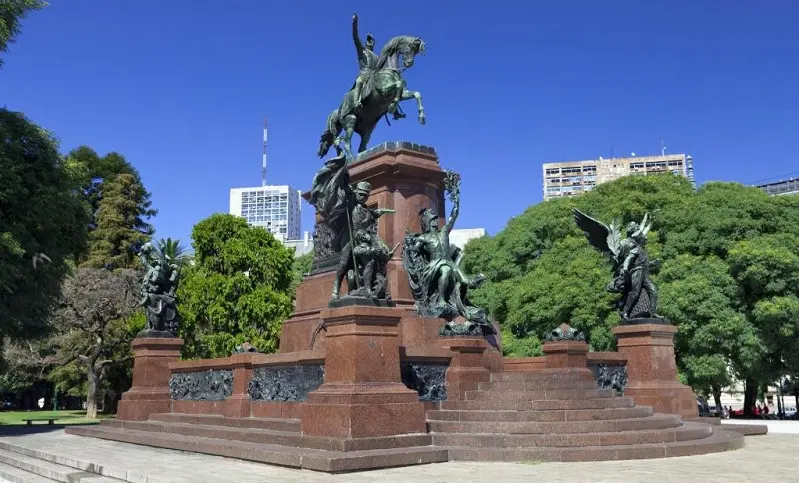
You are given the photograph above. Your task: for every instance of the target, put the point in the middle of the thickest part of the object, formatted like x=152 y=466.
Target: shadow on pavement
x=22 y=430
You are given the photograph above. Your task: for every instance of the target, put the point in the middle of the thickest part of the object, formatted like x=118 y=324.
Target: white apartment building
x=277 y=208
x=573 y=178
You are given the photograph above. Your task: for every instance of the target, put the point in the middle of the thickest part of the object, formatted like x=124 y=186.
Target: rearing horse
x=388 y=88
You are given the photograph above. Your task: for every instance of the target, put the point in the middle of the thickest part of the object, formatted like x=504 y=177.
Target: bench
x=29 y=422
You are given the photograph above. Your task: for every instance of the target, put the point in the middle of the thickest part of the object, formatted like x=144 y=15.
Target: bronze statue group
x=345 y=236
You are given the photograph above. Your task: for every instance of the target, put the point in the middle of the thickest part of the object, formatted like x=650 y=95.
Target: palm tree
x=171 y=250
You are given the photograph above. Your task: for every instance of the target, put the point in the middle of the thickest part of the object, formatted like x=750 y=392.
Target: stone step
x=616 y=438
x=306 y=458
x=268 y=436
x=277 y=424
x=545 y=377
x=658 y=421
x=719 y=441
x=251 y=435
x=543 y=416
x=12 y=474
x=42 y=471
x=539 y=395
x=536 y=385
x=747 y=429
x=553 y=404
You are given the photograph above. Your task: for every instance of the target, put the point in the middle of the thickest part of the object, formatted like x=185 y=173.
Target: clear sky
x=181 y=87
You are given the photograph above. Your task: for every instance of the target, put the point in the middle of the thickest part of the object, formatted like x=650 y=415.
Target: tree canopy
x=119 y=230
x=729 y=274
x=91 y=320
x=42 y=223
x=238 y=289
x=11 y=14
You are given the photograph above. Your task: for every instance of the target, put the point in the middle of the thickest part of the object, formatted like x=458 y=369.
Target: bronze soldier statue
x=371 y=250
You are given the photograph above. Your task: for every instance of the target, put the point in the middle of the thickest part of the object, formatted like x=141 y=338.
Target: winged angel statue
x=631 y=264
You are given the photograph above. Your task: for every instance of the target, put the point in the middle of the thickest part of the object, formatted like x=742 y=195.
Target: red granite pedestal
x=362 y=395
x=149 y=393
x=652 y=368
x=563 y=354
x=403 y=179
x=467 y=367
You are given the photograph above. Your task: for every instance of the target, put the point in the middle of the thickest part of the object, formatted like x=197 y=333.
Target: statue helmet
x=363 y=187
x=428 y=217
x=632 y=228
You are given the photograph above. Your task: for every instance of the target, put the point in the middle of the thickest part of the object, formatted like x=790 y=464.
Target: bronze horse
x=382 y=97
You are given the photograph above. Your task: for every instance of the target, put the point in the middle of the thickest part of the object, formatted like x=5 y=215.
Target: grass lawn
x=61 y=417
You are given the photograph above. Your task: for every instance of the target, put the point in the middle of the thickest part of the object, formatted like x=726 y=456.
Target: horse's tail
x=329 y=134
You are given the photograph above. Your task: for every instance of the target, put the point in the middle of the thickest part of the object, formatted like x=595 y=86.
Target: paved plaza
x=770 y=457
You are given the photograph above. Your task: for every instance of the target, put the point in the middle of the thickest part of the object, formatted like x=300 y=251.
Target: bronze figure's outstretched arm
x=357 y=39
x=453 y=215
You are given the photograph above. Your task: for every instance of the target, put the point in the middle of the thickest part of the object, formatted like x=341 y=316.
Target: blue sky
x=181 y=87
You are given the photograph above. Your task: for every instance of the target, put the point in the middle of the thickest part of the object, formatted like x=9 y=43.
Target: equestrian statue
x=377 y=92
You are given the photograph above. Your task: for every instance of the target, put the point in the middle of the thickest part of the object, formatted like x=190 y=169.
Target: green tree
x=92 y=171
x=173 y=250
x=93 y=327
x=729 y=278
x=42 y=223
x=715 y=341
x=238 y=289
x=542 y=272
x=299 y=268
x=11 y=14
x=119 y=230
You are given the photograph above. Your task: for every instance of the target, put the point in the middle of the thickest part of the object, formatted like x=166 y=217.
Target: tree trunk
x=716 y=389
x=750 y=397
x=91 y=396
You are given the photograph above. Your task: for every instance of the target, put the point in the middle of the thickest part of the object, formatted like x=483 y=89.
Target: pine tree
x=120 y=228
x=91 y=172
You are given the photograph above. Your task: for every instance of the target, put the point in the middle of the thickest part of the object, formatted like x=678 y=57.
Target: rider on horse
x=367 y=60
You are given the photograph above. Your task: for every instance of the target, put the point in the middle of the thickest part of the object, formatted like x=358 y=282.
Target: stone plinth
x=652 y=368
x=362 y=395
x=405 y=178
x=566 y=354
x=149 y=393
x=467 y=367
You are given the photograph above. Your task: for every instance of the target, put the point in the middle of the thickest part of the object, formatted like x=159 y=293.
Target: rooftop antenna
x=263 y=156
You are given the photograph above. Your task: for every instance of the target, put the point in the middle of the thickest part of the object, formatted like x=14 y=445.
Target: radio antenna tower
x=263 y=156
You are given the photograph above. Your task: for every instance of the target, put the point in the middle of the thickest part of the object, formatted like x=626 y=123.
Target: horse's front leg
x=349 y=128
x=406 y=94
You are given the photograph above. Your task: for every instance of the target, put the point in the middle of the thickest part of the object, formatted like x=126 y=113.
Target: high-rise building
x=785 y=187
x=572 y=178
x=276 y=208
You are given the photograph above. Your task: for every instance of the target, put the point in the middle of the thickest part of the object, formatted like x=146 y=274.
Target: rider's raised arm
x=357 y=39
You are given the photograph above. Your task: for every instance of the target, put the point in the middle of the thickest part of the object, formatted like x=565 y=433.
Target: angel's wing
x=597 y=233
x=614 y=238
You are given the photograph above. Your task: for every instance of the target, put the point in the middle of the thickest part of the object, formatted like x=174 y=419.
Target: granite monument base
x=149 y=393
x=652 y=368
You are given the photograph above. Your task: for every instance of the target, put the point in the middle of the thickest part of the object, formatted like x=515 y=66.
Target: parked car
x=790 y=411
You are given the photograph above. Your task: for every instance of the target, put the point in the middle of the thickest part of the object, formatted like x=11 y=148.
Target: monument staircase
x=560 y=415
